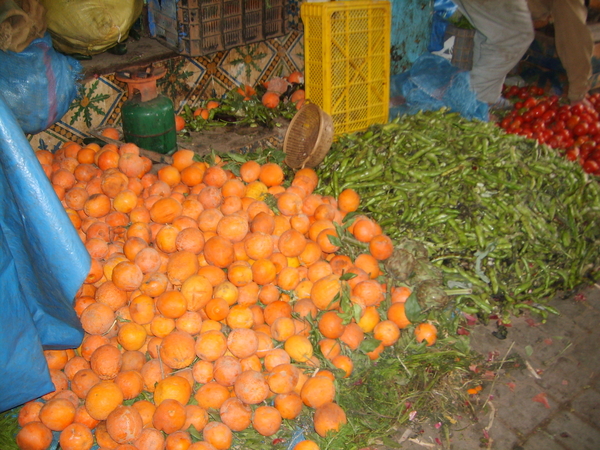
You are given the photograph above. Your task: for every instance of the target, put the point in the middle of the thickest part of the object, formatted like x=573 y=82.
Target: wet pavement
x=545 y=392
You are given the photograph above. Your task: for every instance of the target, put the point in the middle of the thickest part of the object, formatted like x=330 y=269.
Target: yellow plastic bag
x=90 y=27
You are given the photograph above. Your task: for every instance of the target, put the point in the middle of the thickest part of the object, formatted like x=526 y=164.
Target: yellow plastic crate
x=347 y=61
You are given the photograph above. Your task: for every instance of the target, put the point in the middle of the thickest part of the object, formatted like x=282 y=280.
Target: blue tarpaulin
x=43 y=263
x=433 y=83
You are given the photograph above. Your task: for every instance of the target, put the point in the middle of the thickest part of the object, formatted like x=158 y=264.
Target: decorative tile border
x=188 y=81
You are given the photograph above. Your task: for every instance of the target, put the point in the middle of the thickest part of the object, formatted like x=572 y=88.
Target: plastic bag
x=431 y=84
x=442 y=11
x=90 y=27
x=38 y=84
x=43 y=263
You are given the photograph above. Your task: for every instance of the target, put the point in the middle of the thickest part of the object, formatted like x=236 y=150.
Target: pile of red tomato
x=574 y=130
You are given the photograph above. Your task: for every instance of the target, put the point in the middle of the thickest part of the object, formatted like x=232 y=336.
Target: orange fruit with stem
x=306 y=445
x=202 y=112
x=381 y=247
x=211 y=345
x=180 y=440
x=387 y=332
x=329 y=417
x=212 y=395
x=124 y=424
x=251 y=387
x=226 y=370
x=317 y=391
x=102 y=399
x=177 y=350
x=289 y=405
x=218 y=435
x=270 y=99
x=397 y=314
x=235 y=414
x=266 y=420
x=76 y=437
x=426 y=332
x=57 y=414
x=169 y=416
x=150 y=438
x=173 y=387
x=34 y=436
x=299 y=348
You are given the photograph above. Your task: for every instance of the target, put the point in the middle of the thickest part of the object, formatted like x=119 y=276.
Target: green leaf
x=335 y=240
x=368 y=345
x=357 y=312
x=529 y=350
x=413 y=309
x=195 y=433
x=350 y=218
x=237 y=157
x=347 y=276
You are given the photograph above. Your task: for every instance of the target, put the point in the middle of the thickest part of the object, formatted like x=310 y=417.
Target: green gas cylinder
x=148 y=117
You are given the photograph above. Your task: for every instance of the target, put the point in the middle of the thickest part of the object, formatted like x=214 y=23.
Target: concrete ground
x=545 y=394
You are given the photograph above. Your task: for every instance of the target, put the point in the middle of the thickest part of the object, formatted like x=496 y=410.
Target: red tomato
x=530 y=102
x=513 y=91
x=595 y=155
x=594 y=128
x=578 y=108
x=564 y=134
x=591 y=166
x=586 y=149
x=564 y=115
x=528 y=116
x=572 y=121
x=581 y=129
x=538 y=125
x=572 y=154
x=581 y=139
x=549 y=116
x=523 y=93
x=554 y=142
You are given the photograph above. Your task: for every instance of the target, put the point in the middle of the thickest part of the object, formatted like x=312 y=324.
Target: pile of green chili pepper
x=511 y=219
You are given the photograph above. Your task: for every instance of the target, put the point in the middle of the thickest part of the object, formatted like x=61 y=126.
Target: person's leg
x=540 y=9
x=504 y=31
x=574 y=45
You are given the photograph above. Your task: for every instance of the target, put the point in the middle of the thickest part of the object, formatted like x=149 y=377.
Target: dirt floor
x=233 y=139
x=545 y=394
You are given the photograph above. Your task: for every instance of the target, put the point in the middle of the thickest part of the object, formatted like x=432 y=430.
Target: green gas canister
x=148 y=117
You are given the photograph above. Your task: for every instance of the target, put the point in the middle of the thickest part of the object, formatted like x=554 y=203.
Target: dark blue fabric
x=38 y=84
x=43 y=263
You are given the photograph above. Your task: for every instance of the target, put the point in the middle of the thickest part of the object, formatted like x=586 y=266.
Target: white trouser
x=504 y=32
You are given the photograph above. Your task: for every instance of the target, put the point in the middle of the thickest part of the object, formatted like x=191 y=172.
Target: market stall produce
x=220 y=300
x=498 y=213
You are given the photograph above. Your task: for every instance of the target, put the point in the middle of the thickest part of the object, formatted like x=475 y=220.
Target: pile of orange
x=201 y=299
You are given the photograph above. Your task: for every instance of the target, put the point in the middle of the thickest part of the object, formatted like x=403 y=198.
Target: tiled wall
x=188 y=80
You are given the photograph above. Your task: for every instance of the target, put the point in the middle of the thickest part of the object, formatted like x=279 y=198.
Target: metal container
x=148 y=117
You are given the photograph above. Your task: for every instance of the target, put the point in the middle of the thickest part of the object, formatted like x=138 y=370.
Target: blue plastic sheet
x=38 y=84
x=433 y=83
x=442 y=11
x=43 y=263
